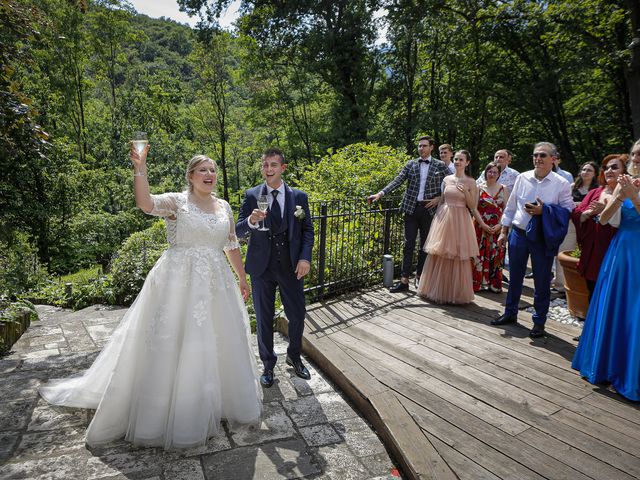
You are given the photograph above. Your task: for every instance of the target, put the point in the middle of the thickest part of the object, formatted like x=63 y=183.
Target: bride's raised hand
x=139 y=160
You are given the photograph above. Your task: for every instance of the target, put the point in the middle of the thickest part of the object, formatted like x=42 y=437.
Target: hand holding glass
x=263 y=204
x=140 y=142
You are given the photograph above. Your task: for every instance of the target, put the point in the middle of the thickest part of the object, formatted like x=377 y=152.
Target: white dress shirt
x=507 y=178
x=551 y=189
x=270 y=200
x=424 y=171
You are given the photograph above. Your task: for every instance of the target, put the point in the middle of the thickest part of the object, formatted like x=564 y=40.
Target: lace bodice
x=189 y=226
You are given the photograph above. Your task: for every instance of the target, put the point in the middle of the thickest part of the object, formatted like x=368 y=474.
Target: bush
x=88 y=287
x=20 y=268
x=357 y=170
x=134 y=261
x=94 y=238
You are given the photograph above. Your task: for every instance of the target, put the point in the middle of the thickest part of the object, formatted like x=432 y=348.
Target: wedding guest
x=586 y=181
x=451 y=244
x=424 y=177
x=508 y=176
x=492 y=199
x=277 y=257
x=609 y=350
x=592 y=236
x=446 y=154
x=563 y=173
x=540 y=200
x=180 y=359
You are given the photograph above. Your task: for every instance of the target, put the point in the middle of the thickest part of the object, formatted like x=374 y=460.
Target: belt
x=518 y=229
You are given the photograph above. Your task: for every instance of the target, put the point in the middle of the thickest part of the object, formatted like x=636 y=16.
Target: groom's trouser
x=520 y=247
x=279 y=274
x=417 y=222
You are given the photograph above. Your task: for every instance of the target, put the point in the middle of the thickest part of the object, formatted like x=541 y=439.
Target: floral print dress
x=487 y=268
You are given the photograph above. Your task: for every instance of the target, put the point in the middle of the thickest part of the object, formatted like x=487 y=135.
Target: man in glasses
x=424 y=177
x=536 y=193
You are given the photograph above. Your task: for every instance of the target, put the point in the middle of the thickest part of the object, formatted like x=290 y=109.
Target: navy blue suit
x=271 y=264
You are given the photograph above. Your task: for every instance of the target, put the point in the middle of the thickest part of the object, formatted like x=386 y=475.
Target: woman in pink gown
x=447 y=276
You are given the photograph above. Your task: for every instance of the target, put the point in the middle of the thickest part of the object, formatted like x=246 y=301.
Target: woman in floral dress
x=487 y=271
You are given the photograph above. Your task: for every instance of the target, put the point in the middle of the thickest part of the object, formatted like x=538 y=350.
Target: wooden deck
x=453 y=397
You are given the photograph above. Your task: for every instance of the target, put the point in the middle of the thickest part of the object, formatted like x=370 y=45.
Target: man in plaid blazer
x=424 y=178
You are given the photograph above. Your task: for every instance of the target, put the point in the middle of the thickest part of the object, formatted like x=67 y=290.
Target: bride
x=180 y=360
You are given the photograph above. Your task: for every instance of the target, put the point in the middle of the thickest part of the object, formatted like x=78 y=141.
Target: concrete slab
x=308 y=430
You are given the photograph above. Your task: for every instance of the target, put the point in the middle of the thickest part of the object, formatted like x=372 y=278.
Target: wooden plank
x=464 y=467
x=488 y=389
x=406 y=432
x=602 y=432
x=440 y=389
x=565 y=433
x=462 y=344
x=417 y=457
x=614 y=404
x=582 y=461
x=486 y=455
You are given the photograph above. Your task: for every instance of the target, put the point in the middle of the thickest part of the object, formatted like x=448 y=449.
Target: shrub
x=88 y=287
x=134 y=261
x=358 y=170
x=93 y=238
x=20 y=268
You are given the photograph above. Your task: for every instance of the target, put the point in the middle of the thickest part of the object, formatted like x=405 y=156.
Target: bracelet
x=140 y=174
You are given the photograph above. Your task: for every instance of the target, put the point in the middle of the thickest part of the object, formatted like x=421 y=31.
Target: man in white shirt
x=446 y=155
x=508 y=176
x=531 y=191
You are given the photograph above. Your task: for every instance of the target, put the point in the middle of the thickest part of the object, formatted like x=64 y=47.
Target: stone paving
x=308 y=431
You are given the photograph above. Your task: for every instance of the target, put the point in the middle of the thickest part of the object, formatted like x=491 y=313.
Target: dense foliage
x=78 y=77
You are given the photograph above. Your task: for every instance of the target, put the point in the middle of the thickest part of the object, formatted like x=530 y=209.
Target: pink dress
x=447 y=276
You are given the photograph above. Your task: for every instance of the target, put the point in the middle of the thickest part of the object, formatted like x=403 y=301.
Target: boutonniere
x=299 y=213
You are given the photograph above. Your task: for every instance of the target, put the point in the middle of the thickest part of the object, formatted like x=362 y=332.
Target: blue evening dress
x=609 y=348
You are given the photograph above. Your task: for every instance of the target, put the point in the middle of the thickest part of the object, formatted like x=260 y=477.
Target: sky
x=169 y=9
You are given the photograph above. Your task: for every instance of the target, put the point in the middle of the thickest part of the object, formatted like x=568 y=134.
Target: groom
x=279 y=257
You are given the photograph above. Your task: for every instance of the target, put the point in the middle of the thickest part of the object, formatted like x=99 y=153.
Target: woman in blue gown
x=609 y=348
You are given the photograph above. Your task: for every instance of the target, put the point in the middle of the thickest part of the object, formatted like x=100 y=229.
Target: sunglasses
x=611 y=167
x=541 y=155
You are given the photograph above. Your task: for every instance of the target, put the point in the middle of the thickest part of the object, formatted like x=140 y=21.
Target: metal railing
x=350 y=239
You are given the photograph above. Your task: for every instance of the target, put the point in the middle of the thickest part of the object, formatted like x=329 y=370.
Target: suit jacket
x=300 y=232
x=550 y=227
x=411 y=173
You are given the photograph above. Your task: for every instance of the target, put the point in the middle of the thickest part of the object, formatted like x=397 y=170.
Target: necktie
x=420 y=160
x=276 y=213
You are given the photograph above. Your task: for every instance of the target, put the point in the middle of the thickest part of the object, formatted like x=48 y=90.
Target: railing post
x=386 y=234
x=322 y=260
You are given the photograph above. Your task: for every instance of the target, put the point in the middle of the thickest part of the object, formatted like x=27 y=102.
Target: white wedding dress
x=180 y=359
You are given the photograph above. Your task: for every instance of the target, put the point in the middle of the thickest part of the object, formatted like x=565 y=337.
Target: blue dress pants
x=520 y=248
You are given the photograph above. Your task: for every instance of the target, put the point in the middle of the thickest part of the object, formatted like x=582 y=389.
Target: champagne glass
x=263 y=204
x=140 y=142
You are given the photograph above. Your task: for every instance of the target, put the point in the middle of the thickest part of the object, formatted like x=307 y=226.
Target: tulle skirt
x=447 y=276
x=178 y=363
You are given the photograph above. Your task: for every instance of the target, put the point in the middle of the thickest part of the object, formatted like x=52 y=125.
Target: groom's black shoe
x=504 y=319
x=299 y=368
x=266 y=379
x=399 y=287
